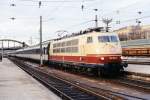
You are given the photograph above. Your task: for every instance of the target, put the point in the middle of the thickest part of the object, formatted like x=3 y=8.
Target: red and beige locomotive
x=100 y=51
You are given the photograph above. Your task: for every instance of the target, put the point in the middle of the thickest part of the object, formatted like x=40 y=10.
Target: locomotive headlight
x=122 y=57
x=102 y=58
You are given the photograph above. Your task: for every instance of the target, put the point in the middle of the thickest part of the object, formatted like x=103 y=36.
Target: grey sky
x=65 y=16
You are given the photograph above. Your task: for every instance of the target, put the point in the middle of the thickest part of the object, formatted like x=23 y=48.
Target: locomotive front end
x=109 y=52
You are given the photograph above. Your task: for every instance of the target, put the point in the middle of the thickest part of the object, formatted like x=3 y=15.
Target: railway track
x=72 y=90
x=137 y=60
x=137 y=75
x=135 y=80
x=65 y=89
x=144 y=86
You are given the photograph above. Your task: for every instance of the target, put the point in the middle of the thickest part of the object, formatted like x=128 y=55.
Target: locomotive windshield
x=112 y=38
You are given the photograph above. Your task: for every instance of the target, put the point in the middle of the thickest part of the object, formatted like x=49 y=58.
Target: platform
x=15 y=84
x=144 y=69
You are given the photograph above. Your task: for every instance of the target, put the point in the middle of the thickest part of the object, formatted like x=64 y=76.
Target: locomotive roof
x=89 y=30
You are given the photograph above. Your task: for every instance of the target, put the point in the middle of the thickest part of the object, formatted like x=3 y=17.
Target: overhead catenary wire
x=51 y=18
x=54 y=11
x=72 y=26
x=124 y=21
x=133 y=19
x=58 y=0
x=122 y=8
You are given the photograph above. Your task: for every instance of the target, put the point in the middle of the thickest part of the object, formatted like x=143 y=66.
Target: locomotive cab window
x=113 y=39
x=103 y=39
x=89 y=40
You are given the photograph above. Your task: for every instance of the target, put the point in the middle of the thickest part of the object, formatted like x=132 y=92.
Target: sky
x=66 y=15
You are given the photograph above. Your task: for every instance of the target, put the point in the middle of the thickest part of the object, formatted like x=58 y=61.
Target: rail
x=137 y=60
x=61 y=87
x=67 y=89
x=134 y=80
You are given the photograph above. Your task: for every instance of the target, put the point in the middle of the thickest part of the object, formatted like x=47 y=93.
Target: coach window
x=89 y=40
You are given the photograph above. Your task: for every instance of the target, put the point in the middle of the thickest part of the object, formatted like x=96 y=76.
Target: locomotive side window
x=68 y=46
x=63 y=44
x=68 y=43
x=68 y=49
x=89 y=40
x=75 y=42
x=54 y=45
x=62 y=50
x=74 y=49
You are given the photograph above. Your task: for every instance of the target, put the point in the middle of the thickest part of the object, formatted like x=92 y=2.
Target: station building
x=134 y=32
x=135 y=40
